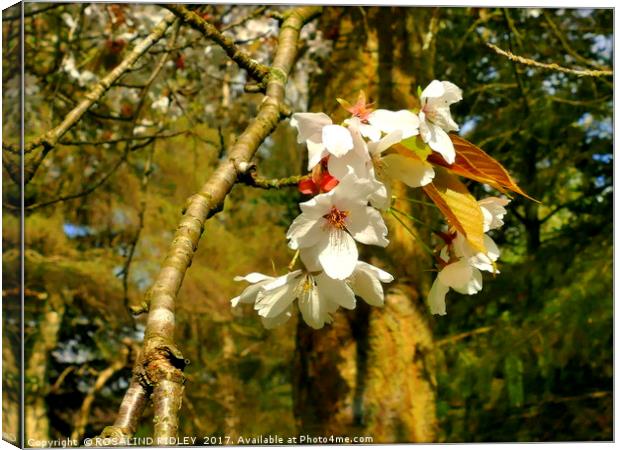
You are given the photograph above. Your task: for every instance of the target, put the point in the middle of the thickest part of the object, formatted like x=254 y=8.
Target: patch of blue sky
x=601 y=129
x=603 y=46
x=605 y=158
x=600 y=181
x=468 y=126
x=73 y=230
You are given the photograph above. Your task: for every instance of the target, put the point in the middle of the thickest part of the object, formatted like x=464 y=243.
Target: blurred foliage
x=527 y=359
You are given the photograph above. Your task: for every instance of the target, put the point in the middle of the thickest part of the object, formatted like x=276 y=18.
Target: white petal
x=370 y=132
x=382 y=119
x=304 y=231
x=452 y=93
x=376 y=148
x=337 y=139
x=272 y=322
x=351 y=190
x=317 y=206
x=473 y=285
x=249 y=294
x=316 y=152
x=367 y=226
x=366 y=283
x=388 y=121
x=315 y=311
x=434 y=89
x=484 y=261
x=335 y=291
x=493 y=211
x=253 y=277
x=412 y=171
x=339 y=167
x=281 y=281
x=437 y=297
x=444 y=253
x=338 y=254
x=439 y=141
x=407 y=122
x=456 y=274
x=461 y=246
x=492 y=249
x=271 y=303
x=380 y=274
x=310 y=125
x=310 y=258
x=380 y=197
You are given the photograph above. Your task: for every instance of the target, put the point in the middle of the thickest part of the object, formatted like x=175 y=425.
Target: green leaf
x=417 y=145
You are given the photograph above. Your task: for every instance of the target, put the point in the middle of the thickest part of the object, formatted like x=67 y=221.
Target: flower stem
x=413 y=200
x=293 y=261
x=407 y=215
x=410 y=231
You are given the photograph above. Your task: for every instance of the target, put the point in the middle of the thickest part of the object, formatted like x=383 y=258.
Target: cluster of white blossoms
x=462 y=263
x=352 y=165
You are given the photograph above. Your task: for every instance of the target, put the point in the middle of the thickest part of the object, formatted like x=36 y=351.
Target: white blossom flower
x=330 y=224
x=435 y=118
x=365 y=281
x=493 y=212
x=368 y=161
x=372 y=123
x=83 y=78
x=161 y=104
x=461 y=277
x=321 y=136
x=249 y=295
x=318 y=296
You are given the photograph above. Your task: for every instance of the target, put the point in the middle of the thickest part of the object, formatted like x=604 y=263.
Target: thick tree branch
x=161 y=365
x=256 y=70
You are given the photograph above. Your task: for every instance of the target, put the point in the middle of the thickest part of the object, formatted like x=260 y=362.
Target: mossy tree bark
x=36 y=421
x=371 y=372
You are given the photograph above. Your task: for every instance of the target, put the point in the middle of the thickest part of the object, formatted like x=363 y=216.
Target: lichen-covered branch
x=553 y=66
x=257 y=71
x=252 y=179
x=160 y=369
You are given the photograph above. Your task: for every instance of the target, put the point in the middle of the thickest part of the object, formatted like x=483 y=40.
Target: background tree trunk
x=37 y=383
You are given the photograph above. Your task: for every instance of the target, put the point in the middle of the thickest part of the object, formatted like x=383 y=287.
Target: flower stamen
x=336 y=218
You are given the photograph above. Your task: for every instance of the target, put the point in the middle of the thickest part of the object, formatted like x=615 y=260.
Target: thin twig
x=553 y=66
x=50 y=138
x=256 y=70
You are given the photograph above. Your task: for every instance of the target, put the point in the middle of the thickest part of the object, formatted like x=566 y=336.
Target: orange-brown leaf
x=474 y=163
x=458 y=206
